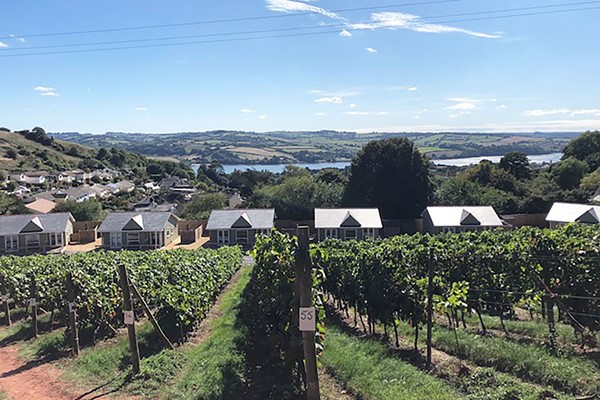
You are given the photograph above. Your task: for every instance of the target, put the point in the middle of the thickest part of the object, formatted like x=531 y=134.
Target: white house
x=564 y=213
x=33 y=178
x=460 y=219
x=347 y=223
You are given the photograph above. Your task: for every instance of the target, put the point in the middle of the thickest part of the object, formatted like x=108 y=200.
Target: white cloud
x=288 y=6
x=396 y=21
x=371 y=50
x=320 y=114
x=3 y=45
x=345 y=33
x=21 y=40
x=333 y=99
x=501 y=107
x=413 y=88
x=417 y=117
x=247 y=110
x=262 y=117
x=461 y=106
x=141 y=109
x=352 y=105
x=46 y=91
x=362 y=113
x=555 y=111
x=459 y=114
x=315 y=91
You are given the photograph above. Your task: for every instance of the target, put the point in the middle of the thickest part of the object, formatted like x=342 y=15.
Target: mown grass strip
x=215 y=369
x=530 y=362
x=372 y=371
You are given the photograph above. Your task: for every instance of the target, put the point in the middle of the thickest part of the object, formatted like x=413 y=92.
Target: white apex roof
x=335 y=217
x=463 y=216
x=571 y=212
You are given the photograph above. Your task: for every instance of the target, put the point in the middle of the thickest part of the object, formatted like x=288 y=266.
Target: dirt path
x=28 y=380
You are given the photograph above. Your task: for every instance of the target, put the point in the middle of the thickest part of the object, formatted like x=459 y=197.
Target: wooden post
x=4 y=293
x=429 y=307
x=153 y=320
x=72 y=312
x=551 y=323
x=304 y=267
x=127 y=306
x=33 y=304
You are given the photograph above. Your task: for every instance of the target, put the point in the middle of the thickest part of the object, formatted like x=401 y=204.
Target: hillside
x=235 y=147
x=20 y=153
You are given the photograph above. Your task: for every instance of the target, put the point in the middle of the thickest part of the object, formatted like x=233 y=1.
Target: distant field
x=232 y=147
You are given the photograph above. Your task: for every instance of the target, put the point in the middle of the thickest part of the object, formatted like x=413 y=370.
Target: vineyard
x=180 y=286
x=519 y=309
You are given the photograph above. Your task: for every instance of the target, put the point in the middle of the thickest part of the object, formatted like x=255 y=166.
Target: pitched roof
x=571 y=212
x=463 y=216
x=145 y=221
x=15 y=224
x=347 y=217
x=228 y=219
x=41 y=206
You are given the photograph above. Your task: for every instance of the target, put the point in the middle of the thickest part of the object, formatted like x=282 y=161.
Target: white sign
x=32 y=302
x=129 y=318
x=308 y=319
x=4 y=297
x=72 y=307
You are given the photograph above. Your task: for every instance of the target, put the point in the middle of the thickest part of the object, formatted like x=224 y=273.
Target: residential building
x=564 y=213
x=23 y=234
x=348 y=223
x=133 y=230
x=80 y=193
x=34 y=178
x=239 y=226
x=41 y=206
x=460 y=218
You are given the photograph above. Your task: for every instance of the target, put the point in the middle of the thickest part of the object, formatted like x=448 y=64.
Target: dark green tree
x=88 y=210
x=390 y=174
x=586 y=147
x=517 y=164
x=201 y=205
x=11 y=205
x=569 y=172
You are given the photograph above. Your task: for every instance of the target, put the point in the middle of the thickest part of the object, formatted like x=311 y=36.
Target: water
x=457 y=162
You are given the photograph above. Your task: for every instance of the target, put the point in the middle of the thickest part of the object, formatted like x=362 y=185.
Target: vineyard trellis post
x=151 y=318
x=429 y=306
x=129 y=319
x=33 y=305
x=5 y=306
x=72 y=312
x=304 y=275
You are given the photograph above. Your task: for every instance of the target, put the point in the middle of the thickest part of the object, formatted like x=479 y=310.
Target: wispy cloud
x=556 y=111
x=345 y=33
x=461 y=106
x=21 y=40
x=459 y=114
x=262 y=117
x=3 y=45
x=46 y=91
x=397 y=21
x=352 y=105
x=247 y=110
x=141 y=109
x=400 y=88
x=371 y=50
x=363 y=113
x=413 y=88
x=288 y=6
x=333 y=99
x=320 y=114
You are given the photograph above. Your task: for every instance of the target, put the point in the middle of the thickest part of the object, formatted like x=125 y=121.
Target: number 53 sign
x=308 y=320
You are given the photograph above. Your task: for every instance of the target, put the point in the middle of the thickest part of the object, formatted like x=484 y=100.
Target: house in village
x=564 y=213
x=348 y=223
x=460 y=218
x=239 y=226
x=41 y=206
x=139 y=231
x=35 y=233
x=33 y=178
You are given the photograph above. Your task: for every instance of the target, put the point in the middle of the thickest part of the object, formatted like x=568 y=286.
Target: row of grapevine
x=180 y=284
x=489 y=271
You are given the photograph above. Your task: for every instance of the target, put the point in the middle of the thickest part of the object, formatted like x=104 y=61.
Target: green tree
x=569 y=172
x=88 y=210
x=591 y=182
x=201 y=205
x=457 y=191
x=11 y=153
x=390 y=174
x=10 y=205
x=585 y=148
x=517 y=164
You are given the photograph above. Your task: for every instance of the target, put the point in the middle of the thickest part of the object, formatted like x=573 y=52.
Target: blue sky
x=403 y=65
